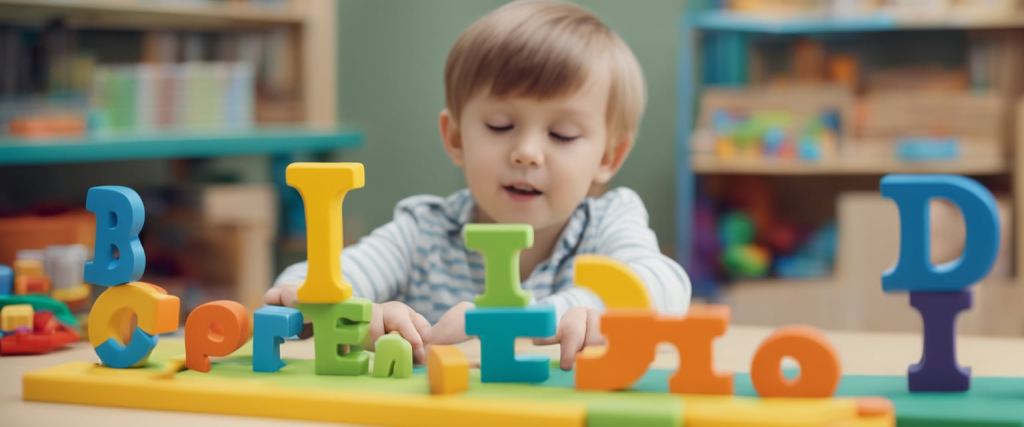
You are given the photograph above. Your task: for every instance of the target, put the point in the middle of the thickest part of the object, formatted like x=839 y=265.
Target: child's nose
x=527 y=152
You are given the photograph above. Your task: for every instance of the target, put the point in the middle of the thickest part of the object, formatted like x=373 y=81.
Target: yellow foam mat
x=89 y=384
x=236 y=390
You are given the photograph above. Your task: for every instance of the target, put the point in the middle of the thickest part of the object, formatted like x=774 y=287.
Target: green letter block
x=336 y=326
x=393 y=357
x=500 y=244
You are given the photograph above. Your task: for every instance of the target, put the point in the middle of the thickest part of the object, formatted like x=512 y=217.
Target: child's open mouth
x=522 y=192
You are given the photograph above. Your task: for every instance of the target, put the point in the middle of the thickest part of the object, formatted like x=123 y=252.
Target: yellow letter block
x=323 y=187
x=613 y=281
x=157 y=312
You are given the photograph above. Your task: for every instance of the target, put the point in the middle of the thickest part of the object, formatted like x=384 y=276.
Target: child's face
x=533 y=161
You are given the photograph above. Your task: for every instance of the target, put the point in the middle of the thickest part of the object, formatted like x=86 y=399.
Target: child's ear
x=612 y=160
x=451 y=136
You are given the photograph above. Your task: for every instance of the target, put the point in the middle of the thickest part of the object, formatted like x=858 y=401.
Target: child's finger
x=574 y=332
x=400 y=321
x=376 y=327
x=594 y=336
x=273 y=296
x=289 y=296
x=549 y=340
x=424 y=329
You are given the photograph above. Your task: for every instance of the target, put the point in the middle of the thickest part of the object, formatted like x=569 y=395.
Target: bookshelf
x=715 y=48
x=174 y=145
x=845 y=166
x=307 y=29
x=151 y=14
x=732 y=21
x=294 y=108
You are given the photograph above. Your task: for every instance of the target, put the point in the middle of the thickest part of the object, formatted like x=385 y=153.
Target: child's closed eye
x=499 y=128
x=561 y=137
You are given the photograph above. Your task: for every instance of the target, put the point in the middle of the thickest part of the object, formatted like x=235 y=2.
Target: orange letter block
x=630 y=350
x=692 y=337
x=632 y=339
x=215 y=329
x=447 y=369
x=819 y=364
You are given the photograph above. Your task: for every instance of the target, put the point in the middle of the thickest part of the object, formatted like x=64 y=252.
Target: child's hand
x=397 y=317
x=451 y=328
x=285 y=295
x=580 y=327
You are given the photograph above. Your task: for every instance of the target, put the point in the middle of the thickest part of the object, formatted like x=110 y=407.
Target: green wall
x=391 y=63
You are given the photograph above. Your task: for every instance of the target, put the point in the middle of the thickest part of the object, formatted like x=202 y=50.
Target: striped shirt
x=420 y=257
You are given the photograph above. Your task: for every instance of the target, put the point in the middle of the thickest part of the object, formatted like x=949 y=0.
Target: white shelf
x=705 y=164
x=148 y=14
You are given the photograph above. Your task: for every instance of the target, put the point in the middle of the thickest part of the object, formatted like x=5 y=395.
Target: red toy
x=48 y=335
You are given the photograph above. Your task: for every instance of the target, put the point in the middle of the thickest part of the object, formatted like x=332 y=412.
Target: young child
x=543 y=104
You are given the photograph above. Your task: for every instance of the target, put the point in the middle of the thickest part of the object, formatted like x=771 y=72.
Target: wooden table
x=861 y=353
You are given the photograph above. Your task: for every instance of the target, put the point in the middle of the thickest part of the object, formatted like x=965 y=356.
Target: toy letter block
x=393 y=357
x=498 y=329
x=6 y=280
x=447 y=370
x=323 y=187
x=44 y=322
x=31 y=285
x=271 y=324
x=16 y=316
x=29 y=267
x=612 y=281
x=938 y=370
x=500 y=244
x=819 y=364
x=216 y=328
x=692 y=336
x=914 y=270
x=157 y=314
x=338 y=326
x=119 y=218
x=629 y=352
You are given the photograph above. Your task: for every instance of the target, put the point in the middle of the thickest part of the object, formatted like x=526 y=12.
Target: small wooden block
x=447 y=370
x=16 y=316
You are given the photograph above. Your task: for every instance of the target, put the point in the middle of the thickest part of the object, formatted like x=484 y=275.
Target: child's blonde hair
x=544 y=49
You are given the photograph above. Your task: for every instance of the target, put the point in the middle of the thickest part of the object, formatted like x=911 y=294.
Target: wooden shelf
x=703 y=164
x=732 y=21
x=174 y=145
x=147 y=14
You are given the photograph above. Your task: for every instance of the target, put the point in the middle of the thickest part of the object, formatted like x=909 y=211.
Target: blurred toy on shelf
x=741 y=257
x=6 y=280
x=774 y=134
x=806 y=123
x=908 y=10
x=30 y=277
x=750 y=240
x=187 y=96
x=26 y=331
x=35 y=324
x=815 y=257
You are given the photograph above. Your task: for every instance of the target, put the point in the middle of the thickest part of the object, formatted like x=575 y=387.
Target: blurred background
x=768 y=127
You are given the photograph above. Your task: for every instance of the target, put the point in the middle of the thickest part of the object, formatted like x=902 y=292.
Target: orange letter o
x=819 y=364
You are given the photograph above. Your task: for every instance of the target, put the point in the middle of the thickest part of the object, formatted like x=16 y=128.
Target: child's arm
x=377 y=267
x=623 y=234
